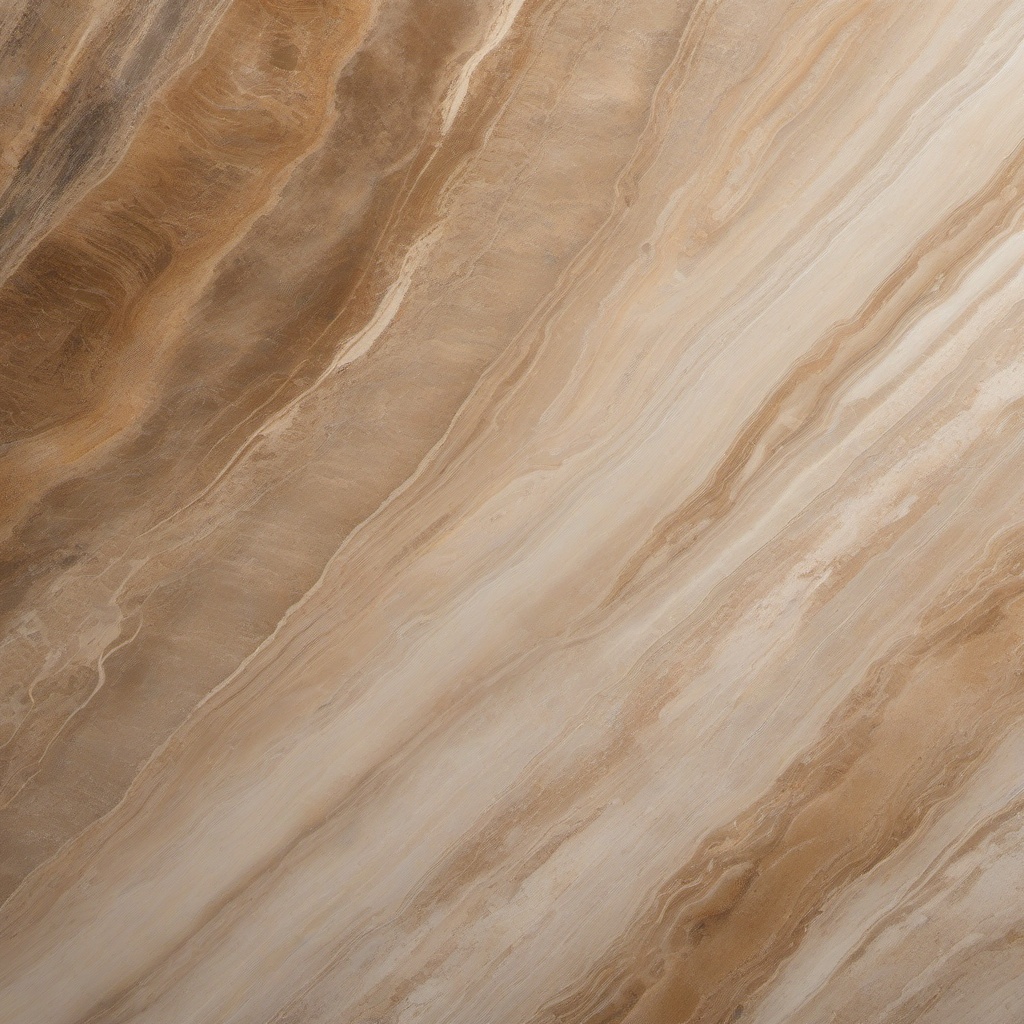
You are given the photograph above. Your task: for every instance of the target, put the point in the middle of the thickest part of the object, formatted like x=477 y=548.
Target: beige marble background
x=512 y=511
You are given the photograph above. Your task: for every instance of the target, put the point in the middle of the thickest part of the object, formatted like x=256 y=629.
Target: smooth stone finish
x=512 y=511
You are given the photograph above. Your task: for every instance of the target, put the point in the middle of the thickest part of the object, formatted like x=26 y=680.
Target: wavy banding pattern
x=512 y=512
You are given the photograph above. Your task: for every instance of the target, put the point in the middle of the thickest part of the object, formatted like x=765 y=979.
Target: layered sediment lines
x=512 y=512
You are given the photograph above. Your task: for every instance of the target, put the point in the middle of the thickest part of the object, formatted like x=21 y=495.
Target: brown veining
x=511 y=511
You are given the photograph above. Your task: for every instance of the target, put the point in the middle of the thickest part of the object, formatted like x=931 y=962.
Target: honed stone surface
x=512 y=511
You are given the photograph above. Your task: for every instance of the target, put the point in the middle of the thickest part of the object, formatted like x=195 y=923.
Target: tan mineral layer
x=511 y=511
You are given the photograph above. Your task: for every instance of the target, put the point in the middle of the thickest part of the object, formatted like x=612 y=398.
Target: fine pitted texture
x=513 y=511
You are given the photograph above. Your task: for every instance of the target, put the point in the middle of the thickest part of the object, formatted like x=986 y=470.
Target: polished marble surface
x=512 y=511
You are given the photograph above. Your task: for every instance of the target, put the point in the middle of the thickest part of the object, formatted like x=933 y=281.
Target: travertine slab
x=513 y=511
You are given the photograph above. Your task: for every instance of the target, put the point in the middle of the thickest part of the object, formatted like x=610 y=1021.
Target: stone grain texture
x=512 y=511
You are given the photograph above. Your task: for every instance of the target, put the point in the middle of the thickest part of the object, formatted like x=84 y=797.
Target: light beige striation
x=513 y=511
